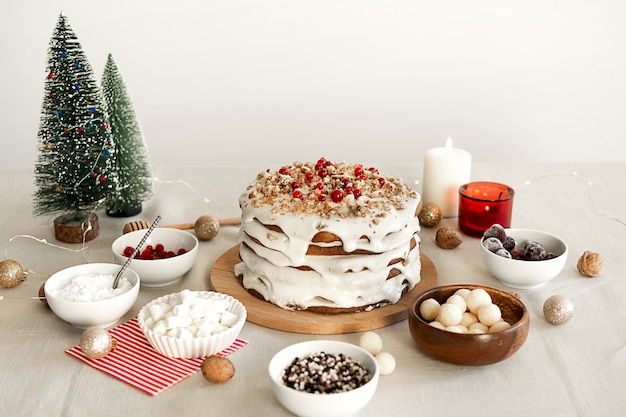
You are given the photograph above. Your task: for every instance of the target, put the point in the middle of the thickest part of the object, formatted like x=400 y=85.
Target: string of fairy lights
x=589 y=185
x=526 y=183
x=87 y=227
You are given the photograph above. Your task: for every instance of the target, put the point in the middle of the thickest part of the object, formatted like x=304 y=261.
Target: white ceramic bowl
x=523 y=274
x=84 y=314
x=159 y=272
x=306 y=404
x=191 y=346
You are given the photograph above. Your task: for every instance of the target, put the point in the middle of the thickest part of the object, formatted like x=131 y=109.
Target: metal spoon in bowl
x=137 y=248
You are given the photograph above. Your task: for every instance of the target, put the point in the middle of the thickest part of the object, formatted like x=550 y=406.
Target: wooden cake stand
x=266 y=314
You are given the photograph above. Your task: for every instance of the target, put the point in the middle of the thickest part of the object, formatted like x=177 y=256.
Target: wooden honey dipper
x=206 y=227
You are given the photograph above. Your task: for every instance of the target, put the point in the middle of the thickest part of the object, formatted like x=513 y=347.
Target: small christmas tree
x=73 y=171
x=131 y=158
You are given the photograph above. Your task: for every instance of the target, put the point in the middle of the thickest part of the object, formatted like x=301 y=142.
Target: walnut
x=448 y=238
x=590 y=264
x=217 y=369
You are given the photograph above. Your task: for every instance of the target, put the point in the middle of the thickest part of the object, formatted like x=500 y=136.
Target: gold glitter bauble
x=429 y=215
x=206 y=227
x=558 y=309
x=96 y=343
x=11 y=273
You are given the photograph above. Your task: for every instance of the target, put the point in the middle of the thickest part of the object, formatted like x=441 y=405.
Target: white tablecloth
x=575 y=369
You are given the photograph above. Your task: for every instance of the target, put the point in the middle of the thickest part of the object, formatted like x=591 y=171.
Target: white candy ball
x=449 y=315
x=462 y=292
x=476 y=331
x=477 y=297
x=489 y=314
x=458 y=301
x=371 y=342
x=468 y=319
x=478 y=327
x=429 y=309
x=437 y=325
x=386 y=363
x=501 y=325
x=457 y=329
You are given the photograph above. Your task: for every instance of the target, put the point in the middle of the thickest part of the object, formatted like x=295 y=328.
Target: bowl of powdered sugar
x=84 y=295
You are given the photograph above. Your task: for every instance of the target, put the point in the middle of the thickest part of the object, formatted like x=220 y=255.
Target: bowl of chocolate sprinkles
x=323 y=378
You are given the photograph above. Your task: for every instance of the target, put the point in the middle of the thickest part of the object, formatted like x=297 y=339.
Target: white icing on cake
x=379 y=221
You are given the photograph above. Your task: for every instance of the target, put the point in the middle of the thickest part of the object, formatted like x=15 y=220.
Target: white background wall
x=233 y=81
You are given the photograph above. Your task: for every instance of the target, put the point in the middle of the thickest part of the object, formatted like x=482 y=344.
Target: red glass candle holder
x=482 y=204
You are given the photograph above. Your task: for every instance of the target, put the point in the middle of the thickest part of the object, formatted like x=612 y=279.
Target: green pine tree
x=131 y=158
x=73 y=171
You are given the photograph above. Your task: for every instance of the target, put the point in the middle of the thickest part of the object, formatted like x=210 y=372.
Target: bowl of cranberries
x=165 y=257
x=522 y=258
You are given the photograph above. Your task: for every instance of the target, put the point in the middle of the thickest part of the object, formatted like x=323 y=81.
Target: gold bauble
x=429 y=215
x=96 y=343
x=11 y=273
x=558 y=309
x=206 y=227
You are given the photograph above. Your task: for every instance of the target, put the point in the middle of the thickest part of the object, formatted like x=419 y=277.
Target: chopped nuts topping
x=326 y=188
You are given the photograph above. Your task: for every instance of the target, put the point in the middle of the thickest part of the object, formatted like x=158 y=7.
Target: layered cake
x=329 y=237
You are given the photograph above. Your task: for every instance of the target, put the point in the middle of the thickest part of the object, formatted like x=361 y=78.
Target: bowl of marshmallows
x=192 y=324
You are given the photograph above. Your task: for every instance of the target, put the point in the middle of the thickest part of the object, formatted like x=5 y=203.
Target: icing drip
x=372 y=255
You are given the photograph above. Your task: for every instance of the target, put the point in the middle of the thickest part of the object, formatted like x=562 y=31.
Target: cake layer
x=369 y=280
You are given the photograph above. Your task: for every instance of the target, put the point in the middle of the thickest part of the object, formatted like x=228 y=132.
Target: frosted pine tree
x=131 y=158
x=73 y=170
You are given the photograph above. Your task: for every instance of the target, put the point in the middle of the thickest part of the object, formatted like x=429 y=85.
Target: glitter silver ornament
x=429 y=215
x=11 y=273
x=558 y=309
x=96 y=343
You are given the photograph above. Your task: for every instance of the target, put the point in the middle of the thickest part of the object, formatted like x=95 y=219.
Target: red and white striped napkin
x=135 y=362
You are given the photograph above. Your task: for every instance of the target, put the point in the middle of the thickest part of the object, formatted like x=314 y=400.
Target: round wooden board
x=266 y=314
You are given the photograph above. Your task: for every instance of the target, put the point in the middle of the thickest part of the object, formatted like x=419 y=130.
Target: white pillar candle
x=445 y=170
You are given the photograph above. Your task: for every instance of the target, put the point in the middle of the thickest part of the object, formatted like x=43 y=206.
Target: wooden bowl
x=467 y=348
